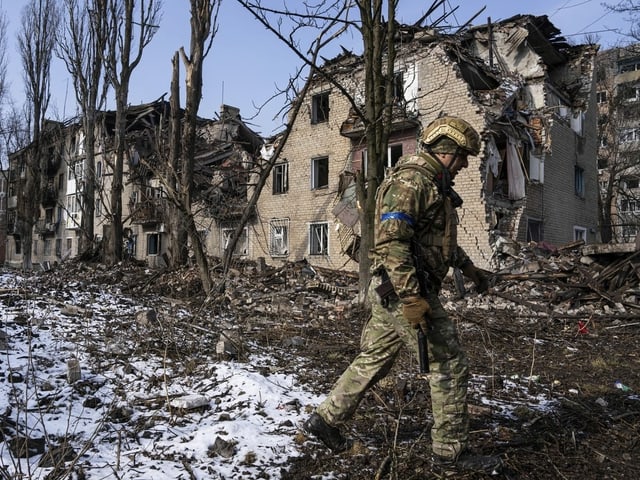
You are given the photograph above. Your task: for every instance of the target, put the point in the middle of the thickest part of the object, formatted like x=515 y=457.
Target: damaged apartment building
x=618 y=97
x=226 y=150
x=528 y=92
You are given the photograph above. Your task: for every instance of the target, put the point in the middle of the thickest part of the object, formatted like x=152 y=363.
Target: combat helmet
x=456 y=129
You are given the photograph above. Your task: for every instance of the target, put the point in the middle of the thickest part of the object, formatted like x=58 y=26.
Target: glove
x=415 y=310
x=476 y=275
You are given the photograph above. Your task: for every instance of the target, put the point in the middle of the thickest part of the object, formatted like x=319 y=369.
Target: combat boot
x=470 y=461
x=330 y=436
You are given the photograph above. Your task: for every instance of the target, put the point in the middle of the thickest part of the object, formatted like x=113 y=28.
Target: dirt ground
x=544 y=366
x=543 y=394
x=567 y=419
x=582 y=428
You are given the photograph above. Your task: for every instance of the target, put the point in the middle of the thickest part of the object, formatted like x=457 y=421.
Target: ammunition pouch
x=385 y=290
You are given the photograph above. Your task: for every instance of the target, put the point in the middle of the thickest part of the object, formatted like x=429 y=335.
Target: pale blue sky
x=247 y=62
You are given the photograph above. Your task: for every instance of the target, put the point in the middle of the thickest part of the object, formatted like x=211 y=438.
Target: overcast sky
x=247 y=63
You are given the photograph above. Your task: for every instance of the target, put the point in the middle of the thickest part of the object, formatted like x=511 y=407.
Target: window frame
x=279 y=240
x=601 y=97
x=319 y=238
x=242 y=247
x=318 y=164
x=320 y=108
x=578 y=181
x=280 y=178
x=158 y=244
x=579 y=233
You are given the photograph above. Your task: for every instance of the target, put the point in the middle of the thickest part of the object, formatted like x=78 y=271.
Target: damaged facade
x=618 y=97
x=225 y=155
x=529 y=94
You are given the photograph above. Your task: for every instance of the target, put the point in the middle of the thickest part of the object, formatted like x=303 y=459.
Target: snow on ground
x=151 y=398
x=133 y=416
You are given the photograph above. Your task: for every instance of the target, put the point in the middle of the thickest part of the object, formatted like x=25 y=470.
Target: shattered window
x=630 y=66
x=320 y=172
x=318 y=239
x=153 y=244
x=628 y=206
x=579 y=233
x=279 y=237
x=534 y=230
x=394 y=152
x=320 y=108
x=579 y=180
x=398 y=87
x=242 y=246
x=281 y=178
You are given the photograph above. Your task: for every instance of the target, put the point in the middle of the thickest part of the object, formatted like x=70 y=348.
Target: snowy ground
x=155 y=398
x=134 y=412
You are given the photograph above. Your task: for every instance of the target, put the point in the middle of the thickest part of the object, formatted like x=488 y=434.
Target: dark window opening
x=153 y=244
x=320 y=173
x=318 y=239
x=280 y=178
x=579 y=180
x=534 y=230
x=320 y=108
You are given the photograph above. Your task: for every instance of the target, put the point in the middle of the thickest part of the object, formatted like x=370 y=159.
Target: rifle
x=423 y=280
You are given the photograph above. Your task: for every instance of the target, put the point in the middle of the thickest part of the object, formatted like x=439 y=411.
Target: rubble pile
x=552 y=347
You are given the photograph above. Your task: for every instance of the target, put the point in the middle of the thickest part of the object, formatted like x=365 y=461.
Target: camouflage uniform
x=411 y=204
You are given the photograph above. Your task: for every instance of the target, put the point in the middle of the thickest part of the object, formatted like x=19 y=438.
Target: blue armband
x=398 y=216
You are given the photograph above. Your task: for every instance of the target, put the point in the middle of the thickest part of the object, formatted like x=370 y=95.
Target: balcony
x=49 y=195
x=148 y=212
x=402 y=118
x=231 y=209
x=46 y=228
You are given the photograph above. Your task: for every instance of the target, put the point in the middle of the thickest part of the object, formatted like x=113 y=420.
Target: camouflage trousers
x=382 y=338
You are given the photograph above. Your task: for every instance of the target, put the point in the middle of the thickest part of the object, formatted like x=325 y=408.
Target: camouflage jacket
x=411 y=206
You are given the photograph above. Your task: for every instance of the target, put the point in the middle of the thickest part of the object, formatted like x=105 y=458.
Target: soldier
x=415 y=218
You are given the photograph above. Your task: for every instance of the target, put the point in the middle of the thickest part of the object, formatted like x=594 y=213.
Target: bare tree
x=3 y=89
x=619 y=137
x=332 y=18
x=204 y=26
x=631 y=8
x=3 y=61
x=82 y=48
x=36 y=41
x=130 y=31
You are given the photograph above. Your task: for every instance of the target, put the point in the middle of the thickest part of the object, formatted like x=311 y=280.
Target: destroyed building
x=225 y=155
x=528 y=92
x=618 y=98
